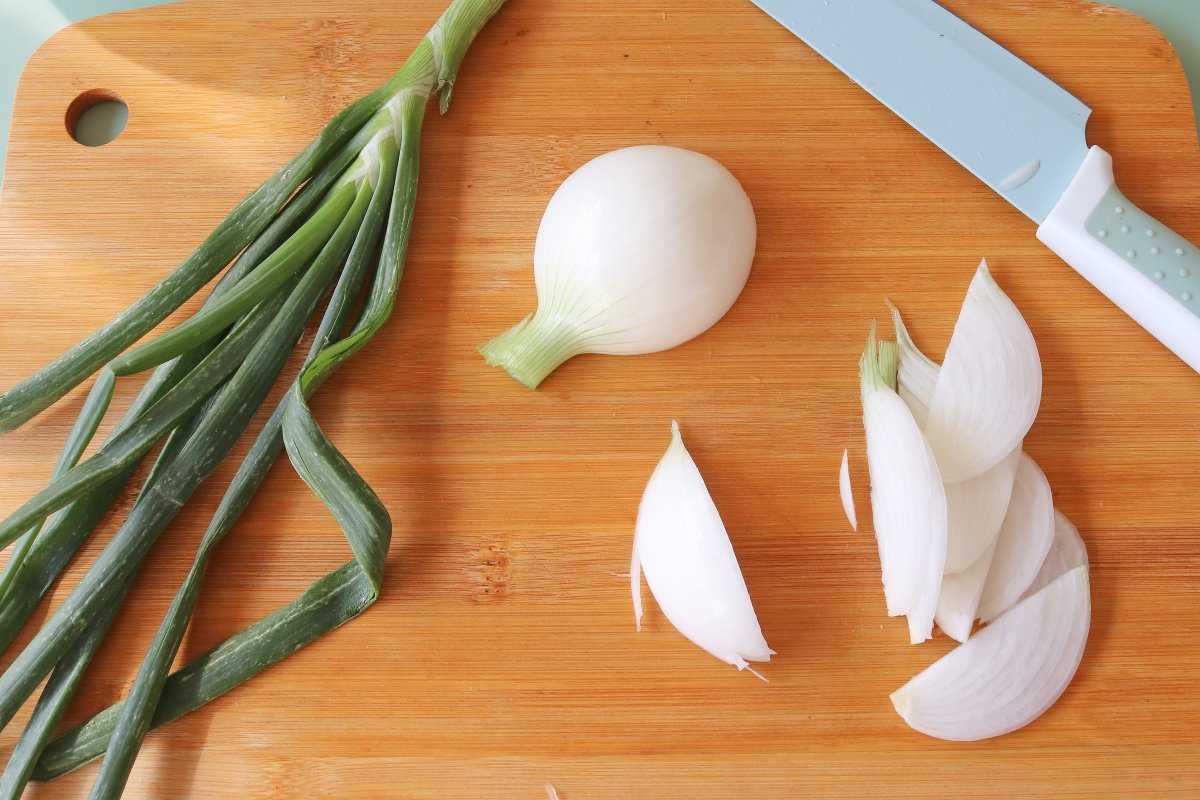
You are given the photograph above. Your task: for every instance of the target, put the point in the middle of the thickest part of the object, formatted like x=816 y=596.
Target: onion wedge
x=990 y=385
x=846 y=492
x=681 y=544
x=1066 y=552
x=908 y=502
x=1009 y=673
x=1024 y=540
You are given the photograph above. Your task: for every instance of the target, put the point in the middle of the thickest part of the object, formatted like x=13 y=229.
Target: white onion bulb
x=640 y=250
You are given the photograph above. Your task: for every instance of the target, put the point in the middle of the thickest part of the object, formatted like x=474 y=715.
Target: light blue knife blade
x=1012 y=127
x=1022 y=135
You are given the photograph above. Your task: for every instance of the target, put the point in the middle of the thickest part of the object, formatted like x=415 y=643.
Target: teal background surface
x=26 y=24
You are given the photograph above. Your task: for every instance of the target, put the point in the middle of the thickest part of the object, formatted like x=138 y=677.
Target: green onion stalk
x=334 y=222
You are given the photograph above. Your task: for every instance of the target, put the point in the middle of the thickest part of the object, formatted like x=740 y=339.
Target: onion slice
x=908 y=502
x=990 y=385
x=846 y=492
x=681 y=544
x=975 y=507
x=1023 y=543
x=1066 y=552
x=958 y=602
x=1009 y=673
x=917 y=373
x=975 y=510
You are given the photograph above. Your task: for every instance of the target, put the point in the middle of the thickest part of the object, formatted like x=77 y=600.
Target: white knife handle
x=1148 y=270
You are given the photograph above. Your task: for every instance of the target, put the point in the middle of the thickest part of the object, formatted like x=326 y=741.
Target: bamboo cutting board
x=502 y=655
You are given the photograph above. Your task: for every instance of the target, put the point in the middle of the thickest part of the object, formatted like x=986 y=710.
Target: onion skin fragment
x=846 y=492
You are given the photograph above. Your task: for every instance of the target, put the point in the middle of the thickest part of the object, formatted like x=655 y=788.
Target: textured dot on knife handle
x=1149 y=246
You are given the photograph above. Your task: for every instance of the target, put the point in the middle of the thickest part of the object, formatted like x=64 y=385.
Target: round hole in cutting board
x=96 y=117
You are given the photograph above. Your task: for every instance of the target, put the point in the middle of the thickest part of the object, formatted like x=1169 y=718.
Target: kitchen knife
x=1022 y=135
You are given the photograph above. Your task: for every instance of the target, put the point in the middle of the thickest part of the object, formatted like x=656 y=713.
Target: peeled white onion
x=682 y=546
x=639 y=250
x=1007 y=674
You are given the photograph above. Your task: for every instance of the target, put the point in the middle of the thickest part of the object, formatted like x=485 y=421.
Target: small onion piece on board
x=846 y=491
x=681 y=544
x=1007 y=674
x=908 y=503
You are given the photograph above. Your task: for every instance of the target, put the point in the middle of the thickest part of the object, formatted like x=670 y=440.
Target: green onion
x=70 y=669
x=37 y=392
x=66 y=532
x=343 y=205
x=77 y=441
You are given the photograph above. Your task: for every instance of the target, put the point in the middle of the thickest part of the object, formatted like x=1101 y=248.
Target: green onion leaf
x=322 y=215
x=29 y=397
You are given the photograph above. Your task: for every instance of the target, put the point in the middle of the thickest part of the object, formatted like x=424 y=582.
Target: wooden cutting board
x=502 y=655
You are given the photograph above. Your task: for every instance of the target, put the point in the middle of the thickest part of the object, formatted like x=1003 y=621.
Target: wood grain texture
x=502 y=654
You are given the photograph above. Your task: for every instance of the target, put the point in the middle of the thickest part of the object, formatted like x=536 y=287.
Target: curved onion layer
x=1023 y=543
x=990 y=385
x=1066 y=552
x=908 y=502
x=681 y=544
x=917 y=373
x=975 y=510
x=975 y=507
x=958 y=602
x=1009 y=673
